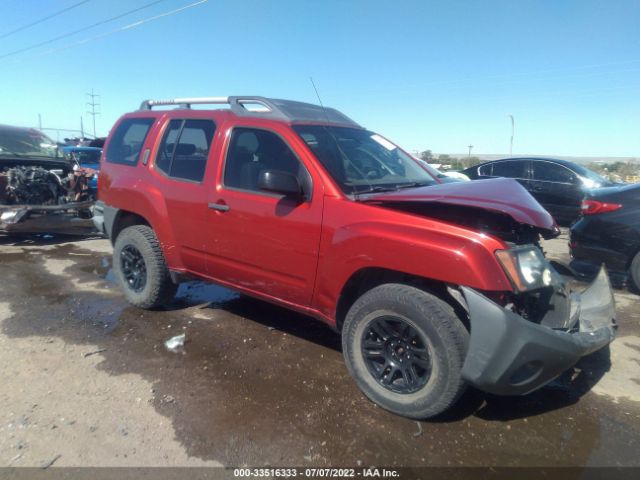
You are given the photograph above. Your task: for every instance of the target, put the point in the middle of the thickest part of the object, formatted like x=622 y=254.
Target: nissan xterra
x=432 y=286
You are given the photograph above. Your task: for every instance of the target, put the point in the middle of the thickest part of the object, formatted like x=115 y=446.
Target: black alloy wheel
x=396 y=354
x=133 y=268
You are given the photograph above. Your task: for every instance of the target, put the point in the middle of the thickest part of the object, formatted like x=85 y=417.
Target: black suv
x=559 y=185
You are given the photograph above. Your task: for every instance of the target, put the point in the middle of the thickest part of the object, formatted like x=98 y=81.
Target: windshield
x=86 y=157
x=361 y=161
x=27 y=142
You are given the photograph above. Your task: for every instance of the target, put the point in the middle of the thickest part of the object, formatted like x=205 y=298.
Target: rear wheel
x=635 y=271
x=140 y=267
x=405 y=349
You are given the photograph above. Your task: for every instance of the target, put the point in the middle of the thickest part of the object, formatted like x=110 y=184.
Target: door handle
x=221 y=207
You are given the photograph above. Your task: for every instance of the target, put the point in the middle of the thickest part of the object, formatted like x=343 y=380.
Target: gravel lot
x=86 y=381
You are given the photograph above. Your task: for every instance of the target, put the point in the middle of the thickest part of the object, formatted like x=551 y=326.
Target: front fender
x=404 y=243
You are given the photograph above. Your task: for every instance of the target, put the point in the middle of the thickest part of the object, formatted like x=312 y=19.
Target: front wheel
x=140 y=267
x=405 y=349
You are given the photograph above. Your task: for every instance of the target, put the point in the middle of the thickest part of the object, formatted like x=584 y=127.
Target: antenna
x=317 y=94
x=344 y=155
x=324 y=110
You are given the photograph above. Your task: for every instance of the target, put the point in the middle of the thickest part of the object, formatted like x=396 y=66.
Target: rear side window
x=510 y=169
x=552 y=172
x=169 y=141
x=485 y=170
x=184 y=149
x=127 y=141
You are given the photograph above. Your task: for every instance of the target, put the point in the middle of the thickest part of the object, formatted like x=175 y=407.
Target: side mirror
x=280 y=182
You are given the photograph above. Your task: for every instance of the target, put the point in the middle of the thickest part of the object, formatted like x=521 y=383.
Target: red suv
x=432 y=286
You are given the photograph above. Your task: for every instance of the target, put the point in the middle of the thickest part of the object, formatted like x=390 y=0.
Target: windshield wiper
x=413 y=185
x=390 y=188
x=376 y=189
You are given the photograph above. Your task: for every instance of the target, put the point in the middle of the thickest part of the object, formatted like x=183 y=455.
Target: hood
x=33 y=161
x=503 y=195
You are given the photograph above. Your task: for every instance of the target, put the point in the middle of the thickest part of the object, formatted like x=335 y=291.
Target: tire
x=436 y=330
x=634 y=271
x=156 y=289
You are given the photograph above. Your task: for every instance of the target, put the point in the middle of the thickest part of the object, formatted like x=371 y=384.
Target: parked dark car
x=559 y=185
x=609 y=233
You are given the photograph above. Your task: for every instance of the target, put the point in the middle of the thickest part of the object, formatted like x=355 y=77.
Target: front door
x=265 y=242
x=558 y=189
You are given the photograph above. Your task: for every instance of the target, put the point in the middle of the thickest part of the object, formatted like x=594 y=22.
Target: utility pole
x=469 y=157
x=81 y=127
x=39 y=122
x=92 y=105
x=513 y=131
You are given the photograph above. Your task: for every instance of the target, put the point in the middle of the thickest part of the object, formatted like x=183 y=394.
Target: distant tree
x=473 y=161
x=627 y=169
x=597 y=167
x=427 y=156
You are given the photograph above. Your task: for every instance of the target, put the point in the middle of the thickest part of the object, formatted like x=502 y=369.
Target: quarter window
x=126 y=142
x=485 y=170
x=252 y=151
x=184 y=149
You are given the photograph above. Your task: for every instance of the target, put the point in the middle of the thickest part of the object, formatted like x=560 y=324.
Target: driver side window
x=252 y=151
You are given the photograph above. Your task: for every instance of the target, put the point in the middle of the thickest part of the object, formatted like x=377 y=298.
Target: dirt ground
x=85 y=380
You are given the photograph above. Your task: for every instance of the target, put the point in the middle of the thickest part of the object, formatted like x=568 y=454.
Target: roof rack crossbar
x=286 y=110
x=149 y=104
x=233 y=102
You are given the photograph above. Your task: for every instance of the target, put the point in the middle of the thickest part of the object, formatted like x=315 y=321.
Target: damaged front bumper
x=70 y=218
x=509 y=355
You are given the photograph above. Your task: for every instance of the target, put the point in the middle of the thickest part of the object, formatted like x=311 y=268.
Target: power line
x=68 y=34
x=44 y=19
x=124 y=28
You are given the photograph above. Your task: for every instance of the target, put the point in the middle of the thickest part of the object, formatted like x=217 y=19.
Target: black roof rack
x=287 y=110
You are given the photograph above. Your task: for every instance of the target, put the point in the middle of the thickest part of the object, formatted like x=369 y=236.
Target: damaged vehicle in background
x=41 y=191
x=87 y=158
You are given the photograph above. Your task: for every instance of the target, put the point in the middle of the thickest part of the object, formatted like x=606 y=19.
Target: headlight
x=526 y=267
x=8 y=216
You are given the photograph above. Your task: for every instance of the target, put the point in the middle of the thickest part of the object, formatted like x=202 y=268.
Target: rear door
x=516 y=169
x=180 y=163
x=263 y=241
x=558 y=189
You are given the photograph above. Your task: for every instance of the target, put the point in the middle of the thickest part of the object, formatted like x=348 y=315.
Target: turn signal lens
x=594 y=207
x=510 y=265
x=526 y=267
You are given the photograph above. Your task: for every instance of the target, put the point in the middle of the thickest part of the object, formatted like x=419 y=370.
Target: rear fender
x=149 y=204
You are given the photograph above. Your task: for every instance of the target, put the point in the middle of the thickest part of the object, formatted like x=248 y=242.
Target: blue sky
x=426 y=74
